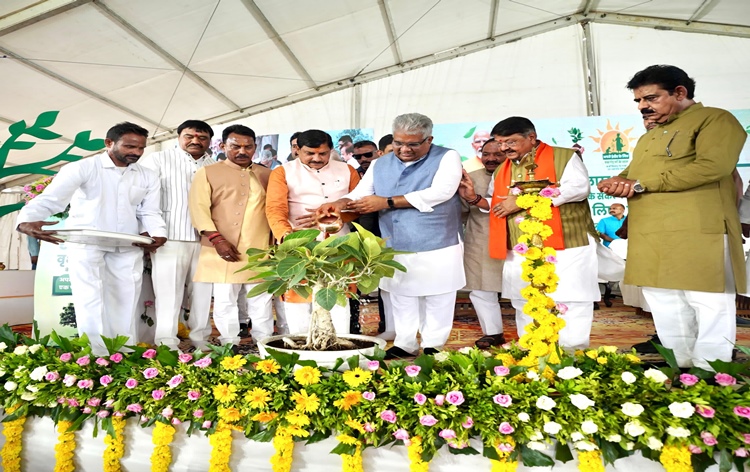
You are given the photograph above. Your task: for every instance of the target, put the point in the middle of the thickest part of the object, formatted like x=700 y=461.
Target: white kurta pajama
x=576 y=267
x=423 y=299
x=175 y=263
x=105 y=281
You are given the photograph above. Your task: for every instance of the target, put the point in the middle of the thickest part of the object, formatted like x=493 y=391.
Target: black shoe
x=235 y=349
x=396 y=353
x=244 y=330
x=744 y=322
x=354 y=326
x=486 y=342
x=647 y=347
x=596 y=305
x=430 y=351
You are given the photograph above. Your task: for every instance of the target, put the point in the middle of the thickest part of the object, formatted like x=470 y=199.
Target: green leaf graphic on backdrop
x=470 y=133
x=39 y=130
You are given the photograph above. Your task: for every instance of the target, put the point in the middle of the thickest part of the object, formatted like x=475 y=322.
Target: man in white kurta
x=107 y=192
x=174 y=265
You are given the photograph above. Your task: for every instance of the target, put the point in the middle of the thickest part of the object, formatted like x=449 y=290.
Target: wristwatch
x=391 y=205
x=638 y=188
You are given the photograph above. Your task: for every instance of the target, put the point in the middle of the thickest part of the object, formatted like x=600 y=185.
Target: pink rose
x=439 y=399
x=551 y=259
x=420 y=398
x=134 y=407
x=562 y=308
x=742 y=411
x=51 y=376
x=116 y=358
x=369 y=427
x=86 y=410
x=167 y=412
x=61 y=400
x=102 y=413
x=388 y=415
x=519 y=219
x=468 y=422
x=193 y=395
x=455 y=397
x=401 y=434
x=506 y=428
x=105 y=380
x=93 y=401
x=175 y=381
x=746 y=438
x=66 y=357
x=501 y=370
x=695 y=449
x=148 y=303
x=149 y=354
x=688 y=379
x=447 y=434
x=39 y=188
x=505 y=447
x=109 y=403
x=73 y=402
x=198 y=413
x=705 y=411
x=118 y=414
x=521 y=248
x=85 y=360
x=515 y=191
x=369 y=396
x=27 y=188
x=185 y=358
x=157 y=394
x=503 y=400
x=549 y=192
x=86 y=383
x=206 y=424
x=373 y=365
x=741 y=452
x=708 y=439
x=412 y=370
x=725 y=379
x=101 y=361
x=151 y=372
x=427 y=420
x=176 y=421
x=203 y=362
x=131 y=383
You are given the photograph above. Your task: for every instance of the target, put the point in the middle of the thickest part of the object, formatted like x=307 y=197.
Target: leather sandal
x=486 y=342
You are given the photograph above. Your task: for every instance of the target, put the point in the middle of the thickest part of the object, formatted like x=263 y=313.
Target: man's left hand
x=308 y=220
x=368 y=204
x=617 y=187
x=506 y=207
x=158 y=242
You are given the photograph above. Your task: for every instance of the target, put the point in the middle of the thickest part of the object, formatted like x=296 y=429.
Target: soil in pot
x=279 y=344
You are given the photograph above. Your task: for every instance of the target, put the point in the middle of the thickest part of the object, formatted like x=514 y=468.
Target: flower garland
x=676 y=459
x=591 y=461
x=115 y=449
x=353 y=462
x=221 y=447
x=416 y=464
x=504 y=449
x=161 y=458
x=65 y=447
x=11 y=452
x=283 y=443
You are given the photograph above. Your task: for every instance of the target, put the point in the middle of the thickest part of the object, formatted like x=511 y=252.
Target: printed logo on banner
x=615 y=146
x=61 y=285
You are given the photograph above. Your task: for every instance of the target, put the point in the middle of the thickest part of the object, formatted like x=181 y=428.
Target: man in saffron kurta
x=574 y=236
x=295 y=190
x=227 y=207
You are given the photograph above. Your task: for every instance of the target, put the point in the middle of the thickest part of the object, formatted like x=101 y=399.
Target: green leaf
x=395 y=265
x=290 y=266
x=470 y=133
x=17 y=128
x=108 y=427
x=668 y=356
x=114 y=344
x=372 y=248
x=19 y=413
x=83 y=141
x=166 y=356
x=703 y=461
x=731 y=368
x=326 y=298
x=63 y=342
x=318 y=436
x=44 y=134
x=283 y=358
x=349 y=449
x=20 y=145
x=45 y=119
x=613 y=451
x=562 y=452
x=466 y=451
x=426 y=362
x=307 y=234
x=264 y=436
x=490 y=453
x=303 y=291
x=532 y=458
x=725 y=461
x=260 y=289
x=353 y=362
x=290 y=244
x=339 y=363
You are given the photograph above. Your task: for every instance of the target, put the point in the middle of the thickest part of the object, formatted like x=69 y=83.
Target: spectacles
x=364 y=154
x=511 y=143
x=398 y=144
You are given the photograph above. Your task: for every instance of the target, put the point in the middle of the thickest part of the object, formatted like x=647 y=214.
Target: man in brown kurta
x=228 y=208
x=685 y=247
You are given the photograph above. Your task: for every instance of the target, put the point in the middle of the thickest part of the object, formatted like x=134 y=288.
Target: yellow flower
x=356 y=377
x=676 y=458
x=305 y=402
x=633 y=358
x=348 y=400
x=592 y=353
x=601 y=360
x=507 y=359
x=346 y=439
x=230 y=415
x=297 y=418
x=608 y=349
x=182 y=331
x=590 y=461
x=268 y=366
x=225 y=393
x=307 y=375
x=264 y=416
x=297 y=431
x=257 y=398
x=355 y=425
x=233 y=363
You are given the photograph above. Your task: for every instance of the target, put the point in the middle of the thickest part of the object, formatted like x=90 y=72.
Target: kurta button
x=237 y=213
x=235 y=224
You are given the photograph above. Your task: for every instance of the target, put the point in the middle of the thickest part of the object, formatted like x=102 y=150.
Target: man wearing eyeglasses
x=684 y=234
x=414 y=192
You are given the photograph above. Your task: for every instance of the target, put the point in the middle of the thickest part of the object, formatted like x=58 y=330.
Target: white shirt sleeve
x=444 y=184
x=56 y=196
x=151 y=162
x=148 y=211
x=366 y=185
x=745 y=207
x=574 y=183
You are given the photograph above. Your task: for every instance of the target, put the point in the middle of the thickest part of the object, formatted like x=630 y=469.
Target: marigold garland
x=676 y=459
x=11 y=452
x=115 y=449
x=590 y=461
x=353 y=462
x=221 y=447
x=416 y=464
x=283 y=443
x=65 y=448
x=162 y=437
x=504 y=449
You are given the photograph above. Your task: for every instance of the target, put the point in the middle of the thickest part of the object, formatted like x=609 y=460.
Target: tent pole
x=589 y=70
x=357 y=106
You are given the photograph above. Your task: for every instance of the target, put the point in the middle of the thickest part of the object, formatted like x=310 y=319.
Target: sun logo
x=614 y=143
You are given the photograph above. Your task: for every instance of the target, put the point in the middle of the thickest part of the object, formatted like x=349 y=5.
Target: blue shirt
x=608 y=226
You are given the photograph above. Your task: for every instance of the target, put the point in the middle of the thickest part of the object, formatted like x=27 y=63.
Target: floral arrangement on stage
x=35 y=189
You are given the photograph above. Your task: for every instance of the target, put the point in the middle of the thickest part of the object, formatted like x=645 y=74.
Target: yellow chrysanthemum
x=356 y=377
x=299 y=432
x=230 y=415
x=346 y=439
x=348 y=399
x=268 y=366
x=305 y=402
x=257 y=398
x=298 y=419
x=507 y=359
x=355 y=425
x=307 y=375
x=264 y=416
x=233 y=363
x=225 y=393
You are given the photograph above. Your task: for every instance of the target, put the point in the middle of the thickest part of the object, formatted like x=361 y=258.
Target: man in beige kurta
x=684 y=242
x=484 y=275
x=228 y=208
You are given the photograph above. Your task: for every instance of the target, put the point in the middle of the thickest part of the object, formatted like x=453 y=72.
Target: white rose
x=10 y=386
x=28 y=397
x=586 y=446
x=577 y=436
x=634 y=428
x=567 y=373
x=632 y=409
x=581 y=401
x=628 y=377
x=3 y=347
x=629 y=446
x=32 y=388
x=523 y=417
x=615 y=438
x=536 y=436
x=589 y=427
x=552 y=427
x=52 y=404
x=545 y=403
x=20 y=350
x=441 y=356
x=38 y=373
x=466 y=350
x=655 y=375
x=682 y=409
x=34 y=348
x=532 y=375
x=654 y=443
x=536 y=445
x=678 y=432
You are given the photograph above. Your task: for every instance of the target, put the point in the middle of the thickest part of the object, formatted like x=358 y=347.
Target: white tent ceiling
x=282 y=65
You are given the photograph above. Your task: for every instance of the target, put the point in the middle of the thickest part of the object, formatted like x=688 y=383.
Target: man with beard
x=684 y=234
x=175 y=264
x=228 y=208
x=107 y=192
x=483 y=274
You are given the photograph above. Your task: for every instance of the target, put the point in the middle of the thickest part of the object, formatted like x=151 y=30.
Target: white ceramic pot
x=326 y=358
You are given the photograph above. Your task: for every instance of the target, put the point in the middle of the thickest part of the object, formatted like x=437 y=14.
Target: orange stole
x=545 y=161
